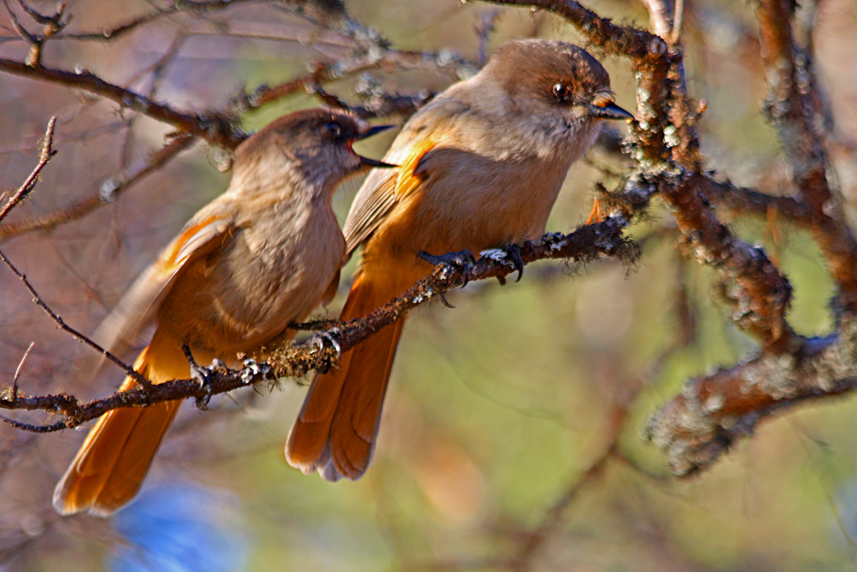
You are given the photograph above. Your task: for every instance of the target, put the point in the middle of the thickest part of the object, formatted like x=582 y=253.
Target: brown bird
x=480 y=168
x=261 y=256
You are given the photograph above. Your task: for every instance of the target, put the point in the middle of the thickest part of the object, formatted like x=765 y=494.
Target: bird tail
x=336 y=430
x=113 y=461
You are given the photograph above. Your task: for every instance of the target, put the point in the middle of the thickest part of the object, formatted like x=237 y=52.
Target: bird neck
x=283 y=179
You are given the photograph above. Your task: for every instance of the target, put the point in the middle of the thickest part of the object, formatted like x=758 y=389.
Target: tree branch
x=214 y=127
x=24 y=190
x=108 y=191
x=586 y=244
x=791 y=107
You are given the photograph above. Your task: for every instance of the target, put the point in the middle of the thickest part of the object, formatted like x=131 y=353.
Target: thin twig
x=44 y=157
x=19 y=369
x=65 y=327
x=107 y=192
x=212 y=126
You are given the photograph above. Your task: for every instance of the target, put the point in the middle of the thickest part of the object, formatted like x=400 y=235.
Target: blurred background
x=498 y=408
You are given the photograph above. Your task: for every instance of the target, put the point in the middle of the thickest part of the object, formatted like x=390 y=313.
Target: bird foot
x=509 y=255
x=461 y=261
x=328 y=337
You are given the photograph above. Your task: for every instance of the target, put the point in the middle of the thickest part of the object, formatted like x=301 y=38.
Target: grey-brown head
x=314 y=144
x=558 y=86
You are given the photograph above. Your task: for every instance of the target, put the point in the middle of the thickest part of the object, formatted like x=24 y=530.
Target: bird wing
x=385 y=188
x=127 y=325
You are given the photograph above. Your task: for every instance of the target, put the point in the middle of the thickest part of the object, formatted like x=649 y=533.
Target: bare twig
x=18 y=370
x=157 y=70
x=44 y=156
x=65 y=327
x=112 y=33
x=107 y=192
x=214 y=126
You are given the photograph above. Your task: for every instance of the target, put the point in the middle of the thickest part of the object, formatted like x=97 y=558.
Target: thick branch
x=790 y=105
x=759 y=294
x=602 y=32
x=711 y=413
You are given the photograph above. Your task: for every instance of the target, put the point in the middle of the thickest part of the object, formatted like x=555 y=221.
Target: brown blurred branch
x=711 y=413
x=215 y=127
x=586 y=244
x=791 y=106
x=107 y=193
x=555 y=516
x=112 y=33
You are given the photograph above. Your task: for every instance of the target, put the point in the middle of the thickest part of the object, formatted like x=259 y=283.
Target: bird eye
x=561 y=91
x=333 y=129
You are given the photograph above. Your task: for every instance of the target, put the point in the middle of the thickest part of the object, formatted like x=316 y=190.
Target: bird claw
x=202 y=375
x=319 y=339
x=510 y=255
x=462 y=261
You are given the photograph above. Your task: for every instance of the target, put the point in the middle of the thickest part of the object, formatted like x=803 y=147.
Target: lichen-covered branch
x=711 y=413
x=791 y=106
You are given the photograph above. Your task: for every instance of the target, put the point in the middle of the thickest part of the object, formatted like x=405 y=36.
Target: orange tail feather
x=115 y=457
x=336 y=430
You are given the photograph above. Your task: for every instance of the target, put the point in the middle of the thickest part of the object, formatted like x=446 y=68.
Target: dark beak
x=609 y=111
x=374 y=130
x=374 y=162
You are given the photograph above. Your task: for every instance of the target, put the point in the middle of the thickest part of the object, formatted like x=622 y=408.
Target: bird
x=257 y=258
x=480 y=167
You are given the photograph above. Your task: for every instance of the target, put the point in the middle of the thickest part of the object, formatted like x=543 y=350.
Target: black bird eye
x=333 y=129
x=561 y=92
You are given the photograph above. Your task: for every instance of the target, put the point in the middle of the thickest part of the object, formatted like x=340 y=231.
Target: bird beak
x=374 y=130
x=375 y=163
x=369 y=133
x=609 y=111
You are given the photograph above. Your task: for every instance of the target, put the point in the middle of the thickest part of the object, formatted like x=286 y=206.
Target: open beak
x=374 y=130
x=375 y=163
x=369 y=133
x=609 y=111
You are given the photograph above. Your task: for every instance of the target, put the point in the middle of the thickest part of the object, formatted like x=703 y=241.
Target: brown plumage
x=261 y=256
x=480 y=168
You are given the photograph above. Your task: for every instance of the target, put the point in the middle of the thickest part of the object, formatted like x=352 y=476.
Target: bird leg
x=595 y=216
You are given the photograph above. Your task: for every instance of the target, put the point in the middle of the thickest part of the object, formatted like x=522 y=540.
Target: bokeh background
x=498 y=408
